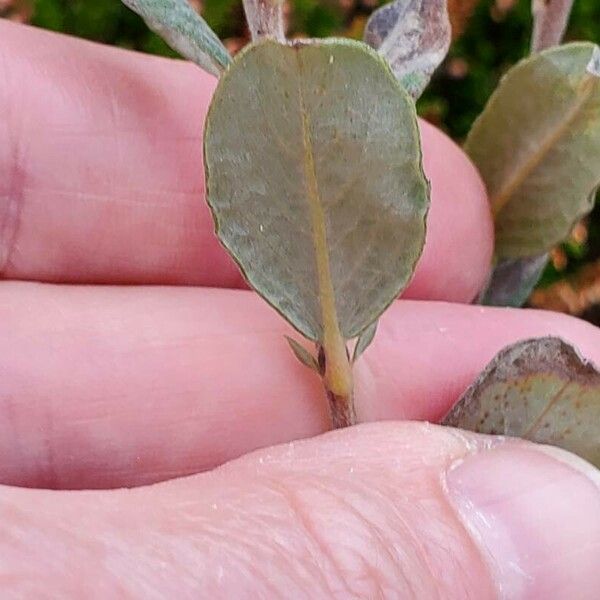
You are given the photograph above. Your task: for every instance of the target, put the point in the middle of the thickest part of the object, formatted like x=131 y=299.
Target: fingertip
x=535 y=517
x=426 y=354
x=117 y=167
x=460 y=233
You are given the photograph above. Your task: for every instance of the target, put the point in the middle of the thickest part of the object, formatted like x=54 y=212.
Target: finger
x=379 y=511
x=109 y=386
x=101 y=176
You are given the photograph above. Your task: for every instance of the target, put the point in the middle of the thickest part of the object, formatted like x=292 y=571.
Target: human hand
x=101 y=387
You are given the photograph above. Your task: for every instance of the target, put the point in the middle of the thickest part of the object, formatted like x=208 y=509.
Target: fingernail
x=535 y=514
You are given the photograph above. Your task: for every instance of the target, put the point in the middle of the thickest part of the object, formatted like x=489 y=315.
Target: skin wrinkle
x=378 y=537
x=256 y=519
x=211 y=533
x=49 y=470
x=424 y=429
x=248 y=543
x=416 y=544
x=301 y=513
x=290 y=569
x=13 y=198
x=248 y=537
x=240 y=556
x=377 y=455
x=420 y=550
x=303 y=518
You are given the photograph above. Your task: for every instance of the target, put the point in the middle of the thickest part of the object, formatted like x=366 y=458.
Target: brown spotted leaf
x=540 y=390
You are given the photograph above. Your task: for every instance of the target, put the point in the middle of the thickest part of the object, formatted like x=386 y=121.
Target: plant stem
x=341 y=409
x=336 y=372
x=265 y=19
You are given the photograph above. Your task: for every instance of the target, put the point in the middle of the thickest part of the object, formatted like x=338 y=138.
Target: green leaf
x=513 y=281
x=315 y=182
x=537 y=146
x=303 y=355
x=550 y=19
x=265 y=18
x=184 y=30
x=540 y=390
x=364 y=340
x=413 y=36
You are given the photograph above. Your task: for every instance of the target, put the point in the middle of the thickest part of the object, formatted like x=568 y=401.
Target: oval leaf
x=317 y=189
x=550 y=19
x=540 y=390
x=537 y=146
x=184 y=30
x=265 y=18
x=413 y=36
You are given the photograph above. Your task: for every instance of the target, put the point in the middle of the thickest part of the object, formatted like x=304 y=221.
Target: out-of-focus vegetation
x=495 y=36
x=490 y=35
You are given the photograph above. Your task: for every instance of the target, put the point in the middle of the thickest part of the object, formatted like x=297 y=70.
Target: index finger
x=101 y=176
x=117 y=386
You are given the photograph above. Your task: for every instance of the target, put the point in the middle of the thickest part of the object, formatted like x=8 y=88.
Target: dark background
x=490 y=36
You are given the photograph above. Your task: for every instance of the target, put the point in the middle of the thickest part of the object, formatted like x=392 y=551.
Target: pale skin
x=104 y=387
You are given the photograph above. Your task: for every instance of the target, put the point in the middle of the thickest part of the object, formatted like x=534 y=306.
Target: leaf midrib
x=500 y=200
x=333 y=342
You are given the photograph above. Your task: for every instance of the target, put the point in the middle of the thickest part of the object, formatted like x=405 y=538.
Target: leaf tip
x=593 y=67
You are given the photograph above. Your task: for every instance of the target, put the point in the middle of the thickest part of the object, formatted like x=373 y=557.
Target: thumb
x=383 y=510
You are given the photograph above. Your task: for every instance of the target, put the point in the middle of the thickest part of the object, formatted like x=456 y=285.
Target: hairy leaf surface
x=314 y=178
x=413 y=36
x=184 y=30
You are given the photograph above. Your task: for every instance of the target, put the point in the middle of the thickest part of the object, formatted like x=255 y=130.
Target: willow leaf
x=265 y=18
x=302 y=354
x=550 y=19
x=364 y=340
x=537 y=146
x=184 y=30
x=317 y=191
x=541 y=390
x=413 y=36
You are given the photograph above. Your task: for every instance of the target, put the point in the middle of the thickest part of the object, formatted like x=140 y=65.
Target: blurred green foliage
x=494 y=39
x=492 y=42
